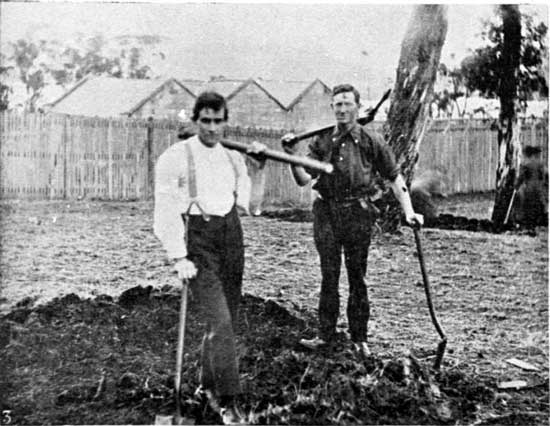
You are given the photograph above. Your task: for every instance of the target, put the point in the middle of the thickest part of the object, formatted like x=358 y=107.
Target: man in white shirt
x=202 y=180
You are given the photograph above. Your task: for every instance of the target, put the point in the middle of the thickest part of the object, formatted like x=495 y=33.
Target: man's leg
x=219 y=362
x=356 y=250
x=232 y=268
x=219 y=354
x=358 y=308
x=330 y=256
x=233 y=265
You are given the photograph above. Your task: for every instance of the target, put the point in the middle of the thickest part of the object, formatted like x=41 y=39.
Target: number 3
x=6 y=417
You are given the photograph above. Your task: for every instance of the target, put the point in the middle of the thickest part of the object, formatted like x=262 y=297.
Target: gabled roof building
x=278 y=104
x=273 y=104
x=112 y=97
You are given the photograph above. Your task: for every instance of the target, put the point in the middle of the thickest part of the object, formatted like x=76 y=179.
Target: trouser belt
x=346 y=201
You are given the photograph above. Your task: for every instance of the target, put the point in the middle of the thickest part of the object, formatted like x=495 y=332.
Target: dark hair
x=212 y=100
x=341 y=88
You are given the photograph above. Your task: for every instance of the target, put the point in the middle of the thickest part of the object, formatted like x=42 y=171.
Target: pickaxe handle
x=281 y=156
x=271 y=154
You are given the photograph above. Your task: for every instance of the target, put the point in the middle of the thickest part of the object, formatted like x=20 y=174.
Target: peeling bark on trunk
x=509 y=145
x=412 y=93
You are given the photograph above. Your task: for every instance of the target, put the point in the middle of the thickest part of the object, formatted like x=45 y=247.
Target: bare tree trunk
x=509 y=145
x=413 y=92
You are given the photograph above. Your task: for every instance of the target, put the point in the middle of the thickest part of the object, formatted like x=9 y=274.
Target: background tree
x=482 y=70
x=509 y=67
x=509 y=145
x=5 y=90
x=24 y=60
x=42 y=63
x=412 y=93
x=446 y=99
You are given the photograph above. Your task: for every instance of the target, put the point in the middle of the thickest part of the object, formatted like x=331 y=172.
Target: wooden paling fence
x=51 y=156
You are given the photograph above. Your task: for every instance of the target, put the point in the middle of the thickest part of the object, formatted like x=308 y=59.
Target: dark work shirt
x=531 y=170
x=357 y=156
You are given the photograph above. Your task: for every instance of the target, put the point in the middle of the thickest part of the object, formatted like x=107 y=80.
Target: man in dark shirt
x=343 y=214
x=532 y=189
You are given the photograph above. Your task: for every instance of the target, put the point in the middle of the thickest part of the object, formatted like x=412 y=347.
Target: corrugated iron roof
x=223 y=87
x=107 y=96
x=284 y=92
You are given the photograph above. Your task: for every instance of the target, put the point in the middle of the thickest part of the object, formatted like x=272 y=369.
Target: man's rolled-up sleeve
x=315 y=153
x=385 y=158
x=170 y=204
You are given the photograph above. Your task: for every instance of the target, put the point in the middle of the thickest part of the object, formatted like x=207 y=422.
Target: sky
x=354 y=42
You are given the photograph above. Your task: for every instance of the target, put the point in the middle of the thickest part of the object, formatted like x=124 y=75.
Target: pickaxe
x=361 y=120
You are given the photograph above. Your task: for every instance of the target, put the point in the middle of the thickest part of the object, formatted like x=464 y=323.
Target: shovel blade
x=173 y=420
x=439 y=355
x=164 y=420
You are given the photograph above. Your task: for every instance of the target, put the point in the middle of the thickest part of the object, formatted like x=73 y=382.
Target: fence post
x=150 y=163
x=65 y=150
x=110 y=159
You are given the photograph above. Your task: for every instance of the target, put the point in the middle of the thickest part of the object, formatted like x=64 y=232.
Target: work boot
x=231 y=416
x=229 y=411
x=208 y=395
x=362 y=348
x=314 y=343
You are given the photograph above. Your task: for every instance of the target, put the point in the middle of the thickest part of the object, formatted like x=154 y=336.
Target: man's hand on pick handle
x=256 y=150
x=288 y=146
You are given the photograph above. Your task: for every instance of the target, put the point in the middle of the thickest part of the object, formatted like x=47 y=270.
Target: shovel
x=177 y=419
x=510 y=207
x=443 y=343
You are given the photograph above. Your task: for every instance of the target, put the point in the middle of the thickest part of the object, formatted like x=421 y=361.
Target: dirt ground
x=74 y=352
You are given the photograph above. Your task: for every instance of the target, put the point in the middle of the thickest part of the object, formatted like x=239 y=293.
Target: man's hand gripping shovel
x=185 y=273
x=443 y=343
x=177 y=418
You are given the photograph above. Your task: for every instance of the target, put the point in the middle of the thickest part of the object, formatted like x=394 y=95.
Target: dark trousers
x=216 y=247
x=338 y=226
x=533 y=204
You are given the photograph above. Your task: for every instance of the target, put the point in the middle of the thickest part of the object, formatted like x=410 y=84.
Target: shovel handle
x=443 y=343
x=510 y=207
x=181 y=340
x=426 y=281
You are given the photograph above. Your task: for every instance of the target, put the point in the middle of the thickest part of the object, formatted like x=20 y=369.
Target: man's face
x=211 y=124
x=345 y=108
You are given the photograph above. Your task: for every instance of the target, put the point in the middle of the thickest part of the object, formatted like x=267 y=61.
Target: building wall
x=252 y=107
x=167 y=103
x=313 y=110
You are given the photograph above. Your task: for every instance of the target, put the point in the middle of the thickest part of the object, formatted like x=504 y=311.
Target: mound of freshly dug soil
x=443 y=221
x=106 y=361
x=290 y=215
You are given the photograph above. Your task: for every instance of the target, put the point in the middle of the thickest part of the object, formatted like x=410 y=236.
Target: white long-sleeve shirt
x=215 y=184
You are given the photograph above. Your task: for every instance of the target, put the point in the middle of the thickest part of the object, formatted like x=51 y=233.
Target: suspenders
x=192 y=181
x=235 y=171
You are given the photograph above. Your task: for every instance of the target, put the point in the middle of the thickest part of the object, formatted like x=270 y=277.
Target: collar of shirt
x=354 y=132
